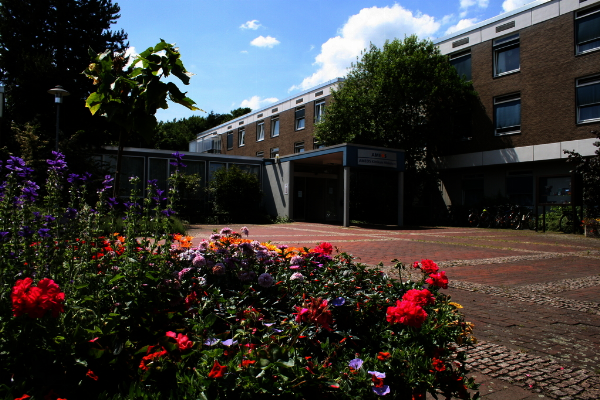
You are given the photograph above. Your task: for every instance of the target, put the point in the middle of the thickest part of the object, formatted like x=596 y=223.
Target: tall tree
x=405 y=95
x=44 y=43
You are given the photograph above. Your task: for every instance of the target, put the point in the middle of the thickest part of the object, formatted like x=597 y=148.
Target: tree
x=589 y=170
x=44 y=43
x=129 y=96
x=236 y=194
x=405 y=96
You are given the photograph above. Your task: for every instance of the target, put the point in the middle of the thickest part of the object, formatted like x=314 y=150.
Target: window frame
x=319 y=110
x=260 y=128
x=241 y=137
x=580 y=15
x=317 y=145
x=457 y=56
x=300 y=120
x=503 y=44
x=505 y=99
x=229 y=139
x=275 y=123
x=274 y=152
x=260 y=154
x=299 y=147
x=583 y=82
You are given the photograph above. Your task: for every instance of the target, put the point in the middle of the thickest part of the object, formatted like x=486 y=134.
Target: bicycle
x=566 y=225
x=473 y=218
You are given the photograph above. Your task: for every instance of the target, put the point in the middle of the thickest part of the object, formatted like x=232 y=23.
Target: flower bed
x=85 y=316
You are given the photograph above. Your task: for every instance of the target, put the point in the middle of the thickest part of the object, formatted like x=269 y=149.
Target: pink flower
x=315 y=311
x=183 y=341
x=407 y=313
x=420 y=297
x=324 y=248
x=439 y=280
x=427 y=266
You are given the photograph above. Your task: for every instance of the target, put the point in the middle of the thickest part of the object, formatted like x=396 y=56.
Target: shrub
x=139 y=316
x=235 y=194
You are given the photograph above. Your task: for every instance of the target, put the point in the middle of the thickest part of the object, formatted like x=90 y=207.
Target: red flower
x=183 y=341
x=429 y=267
x=91 y=374
x=245 y=363
x=25 y=396
x=149 y=357
x=35 y=301
x=217 y=371
x=439 y=280
x=377 y=382
x=439 y=365
x=420 y=297
x=316 y=311
x=324 y=248
x=407 y=313
x=382 y=356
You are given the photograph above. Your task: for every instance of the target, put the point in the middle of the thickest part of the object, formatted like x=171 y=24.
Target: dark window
x=241 y=137
x=506 y=55
x=588 y=99
x=274 y=152
x=319 y=111
x=587 y=30
x=229 y=140
x=462 y=62
x=317 y=145
x=507 y=114
x=300 y=118
x=260 y=154
x=299 y=147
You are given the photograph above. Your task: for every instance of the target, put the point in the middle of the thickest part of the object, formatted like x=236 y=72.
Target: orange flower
x=217 y=371
x=382 y=356
x=245 y=363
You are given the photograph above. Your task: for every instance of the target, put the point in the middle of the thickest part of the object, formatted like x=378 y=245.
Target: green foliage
x=589 y=170
x=44 y=43
x=405 y=95
x=236 y=194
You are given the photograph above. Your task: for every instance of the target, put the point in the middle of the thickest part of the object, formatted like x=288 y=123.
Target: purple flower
x=182 y=273
x=178 y=163
x=29 y=191
x=265 y=280
x=106 y=183
x=211 y=341
x=356 y=363
x=49 y=218
x=17 y=165
x=226 y=231
x=4 y=236
x=338 y=301
x=129 y=205
x=71 y=213
x=112 y=202
x=26 y=231
x=377 y=374
x=43 y=232
x=381 y=391
x=229 y=342
x=215 y=236
x=73 y=178
x=198 y=261
x=58 y=164
x=168 y=212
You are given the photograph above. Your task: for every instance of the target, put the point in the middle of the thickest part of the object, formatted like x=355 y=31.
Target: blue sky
x=252 y=53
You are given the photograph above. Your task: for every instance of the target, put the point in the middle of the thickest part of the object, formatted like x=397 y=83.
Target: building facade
x=537 y=73
x=285 y=127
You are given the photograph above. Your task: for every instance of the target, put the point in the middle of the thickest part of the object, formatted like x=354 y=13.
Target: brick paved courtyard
x=534 y=298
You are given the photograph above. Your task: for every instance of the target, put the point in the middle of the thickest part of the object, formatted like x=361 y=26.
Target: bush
x=123 y=316
x=236 y=195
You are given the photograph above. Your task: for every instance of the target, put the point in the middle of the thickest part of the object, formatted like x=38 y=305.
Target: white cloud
x=510 y=5
x=262 y=41
x=255 y=102
x=470 y=3
x=370 y=25
x=462 y=24
x=254 y=25
x=244 y=51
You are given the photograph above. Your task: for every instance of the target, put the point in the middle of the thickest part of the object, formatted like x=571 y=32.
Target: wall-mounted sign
x=285 y=189
x=377 y=158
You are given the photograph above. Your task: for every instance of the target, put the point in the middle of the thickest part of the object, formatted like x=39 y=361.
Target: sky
x=252 y=53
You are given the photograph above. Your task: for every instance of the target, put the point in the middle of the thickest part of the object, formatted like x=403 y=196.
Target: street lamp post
x=58 y=93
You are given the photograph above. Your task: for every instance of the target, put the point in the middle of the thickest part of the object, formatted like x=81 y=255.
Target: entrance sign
x=377 y=158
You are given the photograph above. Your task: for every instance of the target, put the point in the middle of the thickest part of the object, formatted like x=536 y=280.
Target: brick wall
x=546 y=80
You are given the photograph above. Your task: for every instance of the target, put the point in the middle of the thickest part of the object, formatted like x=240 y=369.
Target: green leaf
x=116 y=278
x=96 y=353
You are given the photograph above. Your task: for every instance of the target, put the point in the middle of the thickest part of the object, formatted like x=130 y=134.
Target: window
x=260 y=131
x=274 y=152
x=299 y=147
x=587 y=30
x=317 y=145
x=507 y=114
x=319 y=111
x=588 y=99
x=300 y=118
x=241 y=137
x=229 y=140
x=260 y=154
x=462 y=62
x=275 y=127
x=506 y=55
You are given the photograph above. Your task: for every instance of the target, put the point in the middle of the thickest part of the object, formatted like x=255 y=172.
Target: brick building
x=537 y=73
